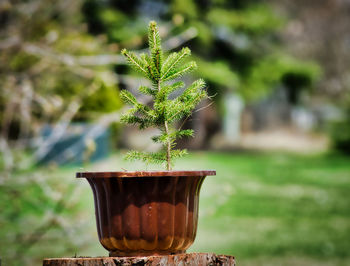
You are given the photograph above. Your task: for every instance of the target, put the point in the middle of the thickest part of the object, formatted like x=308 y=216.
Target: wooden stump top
x=180 y=259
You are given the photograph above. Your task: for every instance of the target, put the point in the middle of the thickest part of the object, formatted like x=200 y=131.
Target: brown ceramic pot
x=146 y=213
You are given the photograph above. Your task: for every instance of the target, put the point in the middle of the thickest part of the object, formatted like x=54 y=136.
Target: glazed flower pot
x=146 y=213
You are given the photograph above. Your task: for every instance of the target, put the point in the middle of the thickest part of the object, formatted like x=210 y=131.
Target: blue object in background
x=72 y=148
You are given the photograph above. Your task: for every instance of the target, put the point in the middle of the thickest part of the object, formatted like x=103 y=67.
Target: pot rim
x=144 y=174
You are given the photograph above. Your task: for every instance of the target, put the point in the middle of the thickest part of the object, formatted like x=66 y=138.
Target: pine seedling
x=163 y=112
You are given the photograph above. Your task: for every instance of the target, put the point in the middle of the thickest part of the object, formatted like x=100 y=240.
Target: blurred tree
x=50 y=73
x=320 y=31
x=235 y=43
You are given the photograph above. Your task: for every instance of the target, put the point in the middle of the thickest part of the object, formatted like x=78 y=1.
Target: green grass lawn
x=267 y=209
x=273 y=209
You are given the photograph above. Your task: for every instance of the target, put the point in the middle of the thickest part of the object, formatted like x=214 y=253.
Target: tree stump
x=180 y=259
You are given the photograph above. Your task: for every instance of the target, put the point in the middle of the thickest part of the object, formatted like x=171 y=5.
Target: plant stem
x=168 y=147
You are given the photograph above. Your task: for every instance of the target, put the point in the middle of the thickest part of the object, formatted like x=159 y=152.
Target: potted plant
x=152 y=212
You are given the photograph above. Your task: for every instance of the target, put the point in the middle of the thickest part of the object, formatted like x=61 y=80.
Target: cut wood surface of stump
x=181 y=259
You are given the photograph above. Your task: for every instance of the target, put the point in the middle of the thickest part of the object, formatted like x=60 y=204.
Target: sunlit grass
x=274 y=206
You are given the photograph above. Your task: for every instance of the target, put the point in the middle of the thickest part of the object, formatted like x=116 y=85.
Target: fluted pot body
x=146 y=213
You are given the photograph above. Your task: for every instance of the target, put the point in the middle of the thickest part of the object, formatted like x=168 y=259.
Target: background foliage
x=43 y=81
x=236 y=45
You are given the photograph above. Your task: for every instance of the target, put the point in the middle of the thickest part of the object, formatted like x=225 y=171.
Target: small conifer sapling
x=163 y=72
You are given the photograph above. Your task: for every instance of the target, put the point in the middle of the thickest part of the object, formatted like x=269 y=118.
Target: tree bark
x=180 y=259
